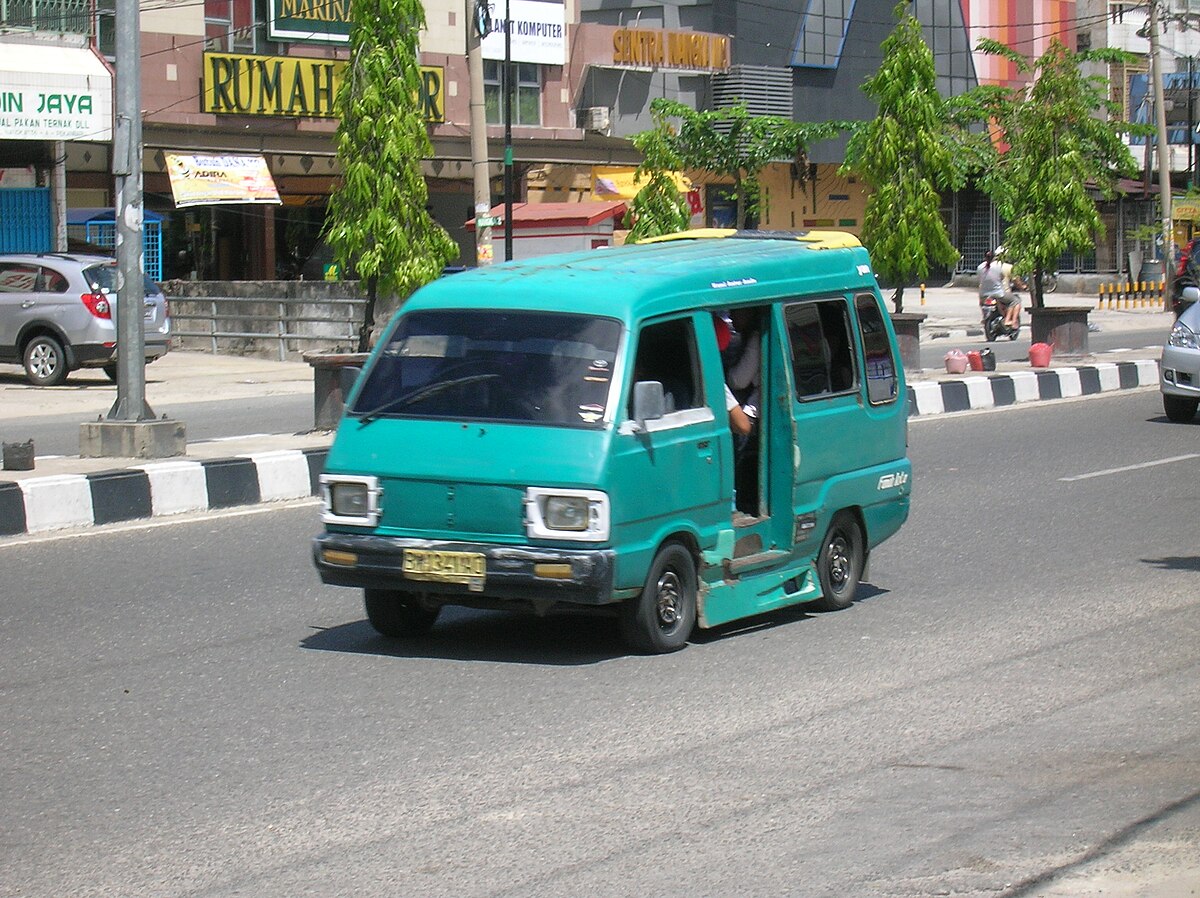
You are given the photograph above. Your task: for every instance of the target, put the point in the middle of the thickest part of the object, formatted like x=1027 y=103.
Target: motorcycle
x=993 y=322
x=993 y=319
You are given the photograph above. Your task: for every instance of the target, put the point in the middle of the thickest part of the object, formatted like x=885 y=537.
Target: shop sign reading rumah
x=294 y=86
x=324 y=21
x=656 y=49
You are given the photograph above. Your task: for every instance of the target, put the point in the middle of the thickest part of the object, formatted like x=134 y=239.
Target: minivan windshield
x=535 y=367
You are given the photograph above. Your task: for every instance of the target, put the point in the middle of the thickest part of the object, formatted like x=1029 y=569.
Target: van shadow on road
x=560 y=638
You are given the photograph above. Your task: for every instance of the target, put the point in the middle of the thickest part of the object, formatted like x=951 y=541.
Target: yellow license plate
x=469 y=568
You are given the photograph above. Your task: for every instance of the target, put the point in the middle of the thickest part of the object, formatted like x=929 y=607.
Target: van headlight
x=566 y=514
x=350 y=499
x=1182 y=336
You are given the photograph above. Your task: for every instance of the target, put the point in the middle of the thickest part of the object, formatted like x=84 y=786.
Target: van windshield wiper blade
x=422 y=393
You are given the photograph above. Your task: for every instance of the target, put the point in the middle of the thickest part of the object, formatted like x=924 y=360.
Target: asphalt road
x=59 y=434
x=188 y=712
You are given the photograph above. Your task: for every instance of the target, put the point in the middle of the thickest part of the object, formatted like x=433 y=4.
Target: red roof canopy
x=559 y=215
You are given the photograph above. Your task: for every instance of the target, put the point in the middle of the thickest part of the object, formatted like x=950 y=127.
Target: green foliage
x=1063 y=143
x=377 y=219
x=659 y=207
x=916 y=146
x=731 y=143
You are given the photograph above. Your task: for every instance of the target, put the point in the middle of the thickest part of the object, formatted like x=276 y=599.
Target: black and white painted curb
x=997 y=390
x=42 y=504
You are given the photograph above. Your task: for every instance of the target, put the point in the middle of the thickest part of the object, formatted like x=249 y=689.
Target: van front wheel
x=398 y=614
x=840 y=563
x=661 y=619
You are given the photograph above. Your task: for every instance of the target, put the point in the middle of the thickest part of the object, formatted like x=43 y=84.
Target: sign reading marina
x=324 y=21
x=293 y=86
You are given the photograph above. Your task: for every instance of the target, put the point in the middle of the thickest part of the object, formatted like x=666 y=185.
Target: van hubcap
x=669 y=599
x=839 y=561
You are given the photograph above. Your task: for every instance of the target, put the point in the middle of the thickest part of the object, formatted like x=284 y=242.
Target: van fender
x=878 y=495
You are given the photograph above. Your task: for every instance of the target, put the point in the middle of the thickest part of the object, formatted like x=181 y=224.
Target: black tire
x=398 y=614
x=1179 y=409
x=1049 y=282
x=45 y=361
x=661 y=619
x=840 y=563
x=110 y=371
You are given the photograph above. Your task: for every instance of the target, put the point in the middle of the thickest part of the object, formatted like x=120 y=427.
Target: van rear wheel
x=661 y=619
x=397 y=614
x=840 y=563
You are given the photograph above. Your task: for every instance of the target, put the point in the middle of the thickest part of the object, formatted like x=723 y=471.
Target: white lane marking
x=1145 y=464
x=153 y=523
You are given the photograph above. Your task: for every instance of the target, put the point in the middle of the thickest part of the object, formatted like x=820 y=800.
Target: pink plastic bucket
x=1039 y=355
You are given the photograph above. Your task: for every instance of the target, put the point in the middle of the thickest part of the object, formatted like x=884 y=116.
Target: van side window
x=881 y=364
x=822 y=358
x=666 y=353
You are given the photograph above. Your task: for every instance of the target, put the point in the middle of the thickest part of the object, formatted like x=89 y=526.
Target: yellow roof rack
x=815 y=239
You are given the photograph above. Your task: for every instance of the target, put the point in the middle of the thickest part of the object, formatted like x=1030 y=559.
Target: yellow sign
x=199 y=179
x=656 y=49
x=293 y=86
x=1185 y=208
x=621 y=182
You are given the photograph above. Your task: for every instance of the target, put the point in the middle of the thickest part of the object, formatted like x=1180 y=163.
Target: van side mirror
x=649 y=402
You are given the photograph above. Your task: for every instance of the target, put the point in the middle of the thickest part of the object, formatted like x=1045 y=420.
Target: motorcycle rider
x=995 y=282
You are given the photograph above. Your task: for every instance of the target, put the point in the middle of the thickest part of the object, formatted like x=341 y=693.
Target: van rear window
x=531 y=367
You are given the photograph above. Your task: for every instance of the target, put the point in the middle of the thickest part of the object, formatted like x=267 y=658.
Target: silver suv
x=58 y=313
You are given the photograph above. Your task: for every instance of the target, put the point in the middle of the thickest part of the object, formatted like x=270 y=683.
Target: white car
x=1179 y=370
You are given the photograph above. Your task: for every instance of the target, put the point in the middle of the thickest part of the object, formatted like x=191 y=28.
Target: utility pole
x=129 y=430
x=479 y=17
x=1164 y=151
x=508 y=85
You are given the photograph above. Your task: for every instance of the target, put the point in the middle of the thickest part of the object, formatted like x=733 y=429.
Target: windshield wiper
x=422 y=393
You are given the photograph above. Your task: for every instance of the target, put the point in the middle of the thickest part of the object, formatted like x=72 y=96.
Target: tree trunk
x=364 y=332
x=898 y=298
x=1035 y=292
x=739 y=194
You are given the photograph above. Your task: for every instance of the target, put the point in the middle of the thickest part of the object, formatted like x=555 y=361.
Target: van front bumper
x=517 y=573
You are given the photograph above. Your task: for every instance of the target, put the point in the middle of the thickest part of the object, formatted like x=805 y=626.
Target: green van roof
x=706 y=269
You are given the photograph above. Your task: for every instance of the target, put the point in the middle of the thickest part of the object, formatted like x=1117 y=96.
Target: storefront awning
x=54 y=93
x=202 y=179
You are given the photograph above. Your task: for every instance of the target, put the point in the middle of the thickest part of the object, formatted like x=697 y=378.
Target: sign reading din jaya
x=293 y=86
x=327 y=21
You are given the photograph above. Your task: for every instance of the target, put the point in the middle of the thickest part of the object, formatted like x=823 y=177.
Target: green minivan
x=556 y=432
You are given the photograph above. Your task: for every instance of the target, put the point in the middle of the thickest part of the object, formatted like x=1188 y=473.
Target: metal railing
x=293 y=326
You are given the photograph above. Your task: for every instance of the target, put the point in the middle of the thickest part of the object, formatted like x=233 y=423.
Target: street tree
x=732 y=144
x=1063 y=138
x=659 y=206
x=913 y=149
x=378 y=222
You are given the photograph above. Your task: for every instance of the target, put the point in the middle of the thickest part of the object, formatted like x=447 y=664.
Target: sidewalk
x=69 y=491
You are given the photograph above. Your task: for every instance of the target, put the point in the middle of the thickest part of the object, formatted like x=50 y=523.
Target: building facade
x=256 y=78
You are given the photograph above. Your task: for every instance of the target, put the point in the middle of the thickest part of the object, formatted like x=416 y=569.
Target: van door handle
x=28 y=304
x=704 y=450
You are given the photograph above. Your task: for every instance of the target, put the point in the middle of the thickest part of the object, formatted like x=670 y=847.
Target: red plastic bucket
x=975 y=360
x=1039 y=354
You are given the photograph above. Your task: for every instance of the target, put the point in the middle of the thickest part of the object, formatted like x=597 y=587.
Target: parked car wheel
x=661 y=619
x=110 y=371
x=840 y=563
x=398 y=614
x=1180 y=409
x=45 y=361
